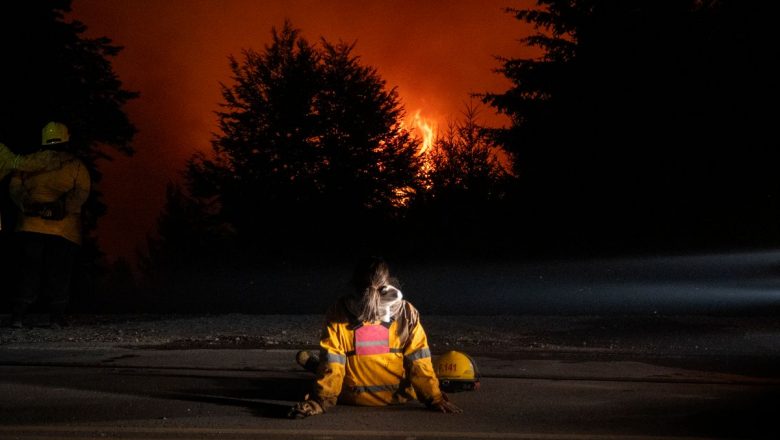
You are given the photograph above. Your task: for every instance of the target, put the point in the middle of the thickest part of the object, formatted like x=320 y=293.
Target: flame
x=427 y=129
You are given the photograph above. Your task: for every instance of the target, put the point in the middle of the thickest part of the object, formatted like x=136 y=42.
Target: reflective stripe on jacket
x=369 y=364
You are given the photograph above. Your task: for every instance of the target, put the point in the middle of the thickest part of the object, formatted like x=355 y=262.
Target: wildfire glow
x=426 y=129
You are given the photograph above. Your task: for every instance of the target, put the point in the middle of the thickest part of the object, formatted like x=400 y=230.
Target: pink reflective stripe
x=372 y=339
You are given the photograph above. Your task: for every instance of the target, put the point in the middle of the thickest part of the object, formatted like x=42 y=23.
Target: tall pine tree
x=311 y=151
x=643 y=120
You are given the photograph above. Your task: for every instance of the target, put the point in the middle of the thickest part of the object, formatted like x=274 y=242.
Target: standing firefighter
x=49 y=227
x=40 y=161
x=374 y=351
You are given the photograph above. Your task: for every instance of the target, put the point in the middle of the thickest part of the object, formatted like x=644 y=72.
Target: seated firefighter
x=49 y=227
x=374 y=350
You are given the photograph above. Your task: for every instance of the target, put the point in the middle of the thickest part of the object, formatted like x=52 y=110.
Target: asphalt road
x=633 y=367
x=241 y=394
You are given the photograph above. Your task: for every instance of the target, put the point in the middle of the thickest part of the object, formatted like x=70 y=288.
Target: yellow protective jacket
x=42 y=160
x=71 y=182
x=369 y=363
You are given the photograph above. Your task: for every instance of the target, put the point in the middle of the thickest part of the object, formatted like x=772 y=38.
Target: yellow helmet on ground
x=456 y=372
x=54 y=133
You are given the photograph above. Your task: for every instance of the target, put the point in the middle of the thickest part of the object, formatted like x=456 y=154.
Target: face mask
x=390 y=302
x=388 y=305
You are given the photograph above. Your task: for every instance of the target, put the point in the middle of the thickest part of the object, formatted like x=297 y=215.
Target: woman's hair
x=370 y=273
x=370 y=276
x=371 y=279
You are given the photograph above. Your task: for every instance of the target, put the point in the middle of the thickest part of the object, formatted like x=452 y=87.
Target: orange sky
x=435 y=51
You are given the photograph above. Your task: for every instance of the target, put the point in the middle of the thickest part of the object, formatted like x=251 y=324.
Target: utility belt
x=47 y=210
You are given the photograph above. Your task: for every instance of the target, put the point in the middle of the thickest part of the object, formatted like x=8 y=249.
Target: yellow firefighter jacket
x=69 y=184
x=42 y=160
x=369 y=363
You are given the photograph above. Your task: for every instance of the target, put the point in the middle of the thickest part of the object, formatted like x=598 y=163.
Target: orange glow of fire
x=426 y=129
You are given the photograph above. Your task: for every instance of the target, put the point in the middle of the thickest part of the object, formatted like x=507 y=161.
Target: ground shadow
x=270 y=396
x=258 y=408
x=266 y=397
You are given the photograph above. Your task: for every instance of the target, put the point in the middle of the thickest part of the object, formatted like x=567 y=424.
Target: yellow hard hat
x=456 y=372
x=54 y=133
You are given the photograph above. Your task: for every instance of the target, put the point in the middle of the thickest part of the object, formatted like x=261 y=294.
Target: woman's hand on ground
x=306 y=408
x=445 y=406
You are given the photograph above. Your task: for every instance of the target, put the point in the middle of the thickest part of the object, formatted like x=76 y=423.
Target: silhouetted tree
x=310 y=149
x=369 y=161
x=189 y=235
x=51 y=71
x=465 y=185
x=645 y=118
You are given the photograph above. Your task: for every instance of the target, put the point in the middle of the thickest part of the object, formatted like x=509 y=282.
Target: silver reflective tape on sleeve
x=336 y=358
x=419 y=354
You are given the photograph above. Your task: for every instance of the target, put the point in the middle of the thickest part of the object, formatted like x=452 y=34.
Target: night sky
x=176 y=54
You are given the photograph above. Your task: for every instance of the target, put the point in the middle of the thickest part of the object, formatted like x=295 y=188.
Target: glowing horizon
x=176 y=55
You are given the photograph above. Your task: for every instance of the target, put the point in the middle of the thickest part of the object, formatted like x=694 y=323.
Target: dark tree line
x=310 y=146
x=312 y=160
x=461 y=206
x=643 y=126
x=645 y=123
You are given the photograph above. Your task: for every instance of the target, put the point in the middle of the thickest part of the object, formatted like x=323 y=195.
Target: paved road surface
x=623 y=376
x=241 y=394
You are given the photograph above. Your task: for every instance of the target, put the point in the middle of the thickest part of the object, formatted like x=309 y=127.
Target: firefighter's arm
x=46 y=160
x=426 y=385
x=330 y=376
x=333 y=360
